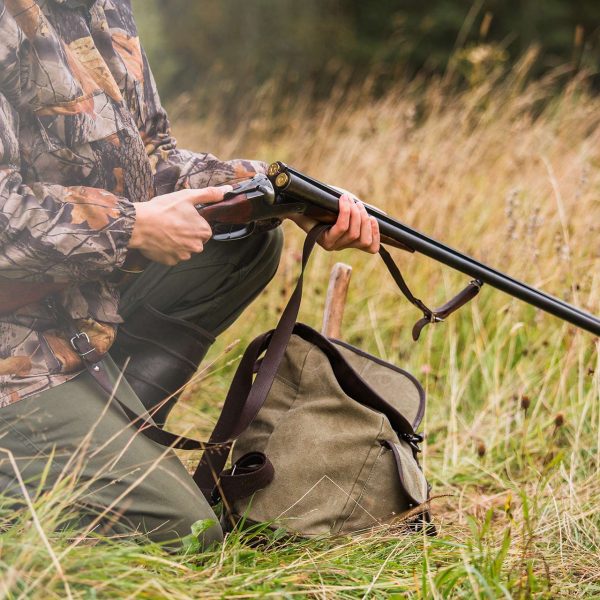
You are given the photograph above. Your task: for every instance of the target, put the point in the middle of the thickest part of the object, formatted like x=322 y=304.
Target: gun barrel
x=298 y=186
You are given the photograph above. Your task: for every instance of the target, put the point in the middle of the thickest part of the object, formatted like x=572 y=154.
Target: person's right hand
x=168 y=229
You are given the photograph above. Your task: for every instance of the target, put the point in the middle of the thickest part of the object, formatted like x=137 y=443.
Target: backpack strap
x=210 y=475
x=246 y=395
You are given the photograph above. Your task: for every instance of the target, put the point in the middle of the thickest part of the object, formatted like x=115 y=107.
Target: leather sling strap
x=275 y=343
x=429 y=316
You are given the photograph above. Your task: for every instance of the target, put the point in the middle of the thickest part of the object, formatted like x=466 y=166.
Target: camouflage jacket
x=83 y=137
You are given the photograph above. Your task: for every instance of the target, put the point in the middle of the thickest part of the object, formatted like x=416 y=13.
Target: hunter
x=88 y=172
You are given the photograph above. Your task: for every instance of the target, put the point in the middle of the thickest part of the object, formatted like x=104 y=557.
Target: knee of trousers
x=273 y=241
x=257 y=257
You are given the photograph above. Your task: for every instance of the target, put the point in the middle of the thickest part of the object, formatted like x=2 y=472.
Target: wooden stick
x=335 y=303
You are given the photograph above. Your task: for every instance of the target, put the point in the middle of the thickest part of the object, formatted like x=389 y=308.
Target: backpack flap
x=410 y=475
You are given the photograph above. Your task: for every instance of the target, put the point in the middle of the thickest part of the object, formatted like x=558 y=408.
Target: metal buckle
x=85 y=336
x=81 y=334
x=413 y=440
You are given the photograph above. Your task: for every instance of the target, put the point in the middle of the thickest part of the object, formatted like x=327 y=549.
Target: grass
x=507 y=171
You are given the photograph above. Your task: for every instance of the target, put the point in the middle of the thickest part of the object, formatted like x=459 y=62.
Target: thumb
x=209 y=195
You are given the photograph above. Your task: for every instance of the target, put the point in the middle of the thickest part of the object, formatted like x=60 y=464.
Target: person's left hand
x=354 y=228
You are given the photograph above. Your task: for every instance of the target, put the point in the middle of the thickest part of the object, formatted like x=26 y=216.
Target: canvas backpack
x=323 y=435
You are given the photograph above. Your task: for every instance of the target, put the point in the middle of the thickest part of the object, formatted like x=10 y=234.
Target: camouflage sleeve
x=175 y=168
x=55 y=233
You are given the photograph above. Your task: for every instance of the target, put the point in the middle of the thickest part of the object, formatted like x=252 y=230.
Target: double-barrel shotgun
x=265 y=200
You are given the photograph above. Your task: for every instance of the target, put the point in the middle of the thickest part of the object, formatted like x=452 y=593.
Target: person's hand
x=168 y=229
x=354 y=228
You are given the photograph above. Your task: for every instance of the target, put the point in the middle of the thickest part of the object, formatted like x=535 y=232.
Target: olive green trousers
x=74 y=437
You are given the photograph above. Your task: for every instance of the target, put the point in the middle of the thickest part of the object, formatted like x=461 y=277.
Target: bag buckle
x=413 y=440
x=75 y=341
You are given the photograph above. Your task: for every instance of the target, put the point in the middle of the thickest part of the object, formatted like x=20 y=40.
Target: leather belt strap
x=93 y=362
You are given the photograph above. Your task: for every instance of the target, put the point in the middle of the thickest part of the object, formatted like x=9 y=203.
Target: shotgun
x=264 y=201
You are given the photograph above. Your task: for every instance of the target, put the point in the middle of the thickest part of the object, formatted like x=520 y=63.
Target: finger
x=208 y=195
x=196 y=247
x=205 y=235
x=365 y=237
x=352 y=234
x=339 y=228
x=169 y=261
x=194 y=224
x=366 y=228
x=203 y=230
x=376 y=243
x=191 y=240
x=194 y=238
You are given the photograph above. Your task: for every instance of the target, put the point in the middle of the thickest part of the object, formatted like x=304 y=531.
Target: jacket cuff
x=121 y=231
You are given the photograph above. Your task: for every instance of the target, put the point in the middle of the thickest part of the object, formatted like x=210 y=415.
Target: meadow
x=508 y=171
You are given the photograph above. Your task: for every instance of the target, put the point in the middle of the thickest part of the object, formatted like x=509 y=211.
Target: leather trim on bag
x=383 y=363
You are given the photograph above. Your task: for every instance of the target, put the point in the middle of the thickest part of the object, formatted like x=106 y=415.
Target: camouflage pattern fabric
x=83 y=137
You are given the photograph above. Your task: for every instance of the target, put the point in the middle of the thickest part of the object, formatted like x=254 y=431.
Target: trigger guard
x=234 y=234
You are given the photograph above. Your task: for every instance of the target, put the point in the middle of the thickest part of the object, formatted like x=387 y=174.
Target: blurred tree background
x=310 y=44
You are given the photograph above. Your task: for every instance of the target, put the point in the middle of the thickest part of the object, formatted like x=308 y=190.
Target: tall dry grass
x=508 y=171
